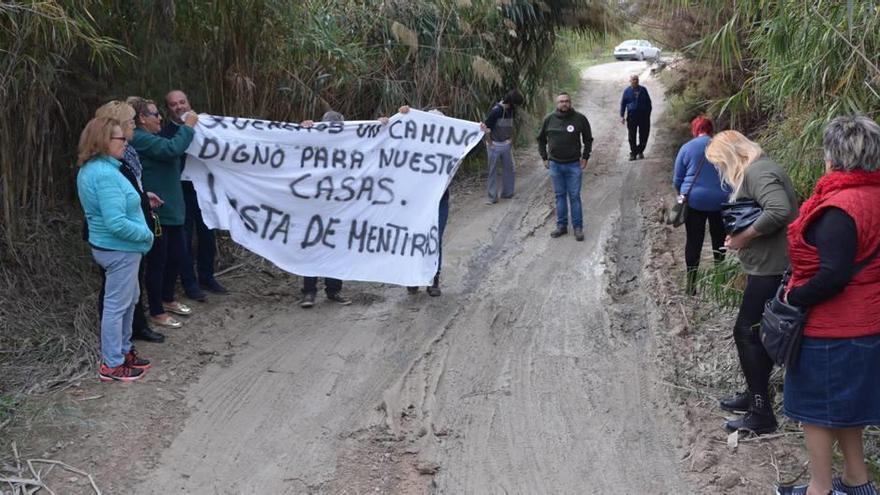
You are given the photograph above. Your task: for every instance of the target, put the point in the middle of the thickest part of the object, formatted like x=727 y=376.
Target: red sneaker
x=132 y=360
x=121 y=373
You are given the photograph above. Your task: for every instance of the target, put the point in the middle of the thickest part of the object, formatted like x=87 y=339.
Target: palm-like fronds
x=796 y=64
x=59 y=59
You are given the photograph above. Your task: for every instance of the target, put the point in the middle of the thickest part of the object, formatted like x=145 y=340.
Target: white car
x=636 y=50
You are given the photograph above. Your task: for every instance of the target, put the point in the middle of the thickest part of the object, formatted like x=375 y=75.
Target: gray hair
x=852 y=142
x=332 y=116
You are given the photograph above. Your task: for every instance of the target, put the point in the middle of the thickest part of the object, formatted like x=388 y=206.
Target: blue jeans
x=567 y=185
x=500 y=152
x=206 y=245
x=121 y=293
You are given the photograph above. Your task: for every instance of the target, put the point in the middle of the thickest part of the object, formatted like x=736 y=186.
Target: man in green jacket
x=567 y=134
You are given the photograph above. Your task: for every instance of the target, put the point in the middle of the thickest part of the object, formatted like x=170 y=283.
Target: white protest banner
x=350 y=200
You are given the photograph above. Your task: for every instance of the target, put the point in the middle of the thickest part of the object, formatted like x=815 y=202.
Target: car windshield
x=629 y=43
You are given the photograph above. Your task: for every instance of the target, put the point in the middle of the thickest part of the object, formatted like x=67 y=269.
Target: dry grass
x=48 y=334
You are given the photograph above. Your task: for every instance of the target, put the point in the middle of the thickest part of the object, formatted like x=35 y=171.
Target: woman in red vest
x=833 y=388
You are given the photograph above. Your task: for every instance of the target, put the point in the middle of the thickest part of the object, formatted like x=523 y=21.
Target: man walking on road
x=635 y=112
x=177 y=104
x=498 y=127
x=568 y=136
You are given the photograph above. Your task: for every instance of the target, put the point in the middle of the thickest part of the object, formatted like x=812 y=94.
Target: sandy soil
x=535 y=372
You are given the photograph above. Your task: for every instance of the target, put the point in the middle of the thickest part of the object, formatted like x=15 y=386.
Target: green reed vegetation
x=263 y=58
x=274 y=59
x=777 y=71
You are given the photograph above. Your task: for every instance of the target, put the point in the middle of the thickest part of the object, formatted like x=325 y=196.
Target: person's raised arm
x=159 y=148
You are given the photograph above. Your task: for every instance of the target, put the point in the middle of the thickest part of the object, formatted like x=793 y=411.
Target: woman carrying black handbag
x=832 y=387
x=697 y=180
x=763 y=254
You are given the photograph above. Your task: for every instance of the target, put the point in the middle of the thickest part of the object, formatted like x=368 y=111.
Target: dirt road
x=531 y=374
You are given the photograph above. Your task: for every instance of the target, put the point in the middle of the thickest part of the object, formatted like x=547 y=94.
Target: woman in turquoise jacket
x=119 y=237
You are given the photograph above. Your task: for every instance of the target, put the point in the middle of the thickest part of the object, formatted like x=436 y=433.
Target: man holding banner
x=332 y=286
x=177 y=104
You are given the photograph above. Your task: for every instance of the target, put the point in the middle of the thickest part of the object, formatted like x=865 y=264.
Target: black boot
x=738 y=404
x=760 y=419
x=148 y=335
x=434 y=289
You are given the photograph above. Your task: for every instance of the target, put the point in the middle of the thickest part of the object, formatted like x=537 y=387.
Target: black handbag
x=782 y=324
x=782 y=327
x=739 y=215
x=677 y=211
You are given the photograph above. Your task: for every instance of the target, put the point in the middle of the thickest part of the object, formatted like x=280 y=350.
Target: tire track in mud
x=495 y=423
x=527 y=376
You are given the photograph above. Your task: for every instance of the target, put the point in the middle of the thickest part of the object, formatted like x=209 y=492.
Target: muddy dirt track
x=531 y=374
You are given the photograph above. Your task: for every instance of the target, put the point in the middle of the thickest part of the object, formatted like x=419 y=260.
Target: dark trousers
x=206 y=245
x=753 y=358
x=695 y=229
x=642 y=125
x=441 y=226
x=331 y=285
x=139 y=323
x=163 y=265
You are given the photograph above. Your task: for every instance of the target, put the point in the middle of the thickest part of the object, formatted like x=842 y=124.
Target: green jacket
x=160 y=158
x=766 y=183
x=563 y=133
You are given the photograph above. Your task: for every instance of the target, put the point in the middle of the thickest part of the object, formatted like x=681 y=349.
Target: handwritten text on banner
x=355 y=200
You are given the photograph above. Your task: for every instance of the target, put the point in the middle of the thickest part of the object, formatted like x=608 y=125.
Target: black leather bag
x=782 y=325
x=739 y=215
x=677 y=210
x=782 y=328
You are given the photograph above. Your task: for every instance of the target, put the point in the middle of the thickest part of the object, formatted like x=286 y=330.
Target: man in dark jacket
x=568 y=136
x=177 y=104
x=635 y=112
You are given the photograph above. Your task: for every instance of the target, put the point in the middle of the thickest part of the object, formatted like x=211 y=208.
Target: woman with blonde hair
x=119 y=237
x=762 y=250
x=132 y=170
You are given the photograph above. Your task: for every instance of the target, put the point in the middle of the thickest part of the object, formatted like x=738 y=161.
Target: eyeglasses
x=152 y=114
x=114 y=138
